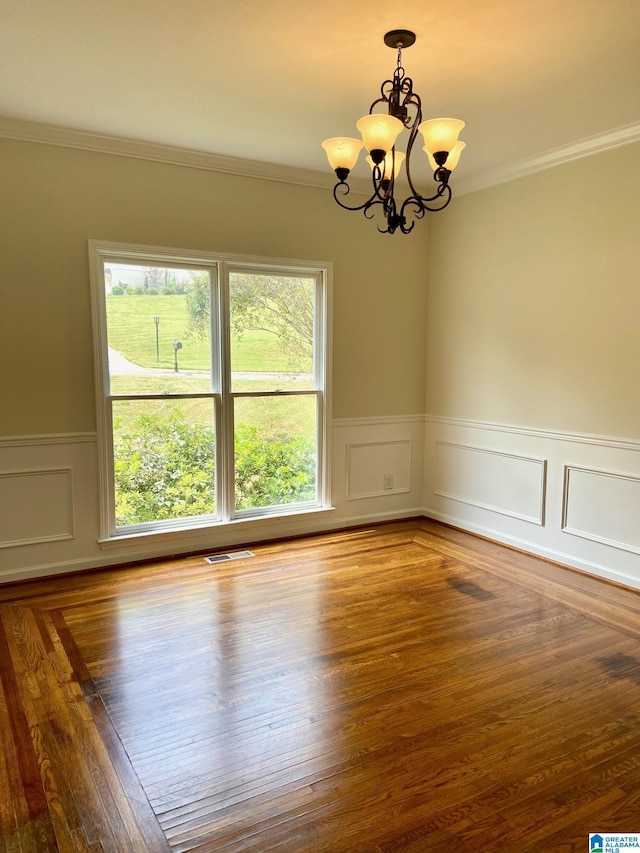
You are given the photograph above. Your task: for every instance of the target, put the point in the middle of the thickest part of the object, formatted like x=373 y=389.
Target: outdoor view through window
x=214 y=393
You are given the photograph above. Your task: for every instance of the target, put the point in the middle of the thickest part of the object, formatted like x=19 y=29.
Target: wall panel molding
x=565 y=558
x=602 y=506
x=387 y=445
x=502 y=482
x=604 y=473
x=38 y=506
x=382 y=420
x=367 y=465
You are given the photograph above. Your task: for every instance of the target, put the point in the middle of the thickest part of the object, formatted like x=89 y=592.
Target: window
x=213 y=379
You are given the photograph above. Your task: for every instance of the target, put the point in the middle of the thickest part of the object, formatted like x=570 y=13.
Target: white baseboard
x=561 y=557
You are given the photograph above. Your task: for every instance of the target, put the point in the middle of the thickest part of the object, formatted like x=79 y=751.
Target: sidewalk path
x=120 y=366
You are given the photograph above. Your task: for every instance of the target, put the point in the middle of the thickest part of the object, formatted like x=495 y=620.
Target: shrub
x=272 y=472
x=164 y=468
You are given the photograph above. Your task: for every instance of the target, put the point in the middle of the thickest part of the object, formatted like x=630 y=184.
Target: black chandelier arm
x=442 y=196
x=369 y=211
x=413 y=209
x=389 y=213
x=394 y=220
x=399 y=95
x=422 y=204
x=407 y=162
x=342 y=188
x=383 y=99
x=414 y=99
x=441 y=176
x=389 y=87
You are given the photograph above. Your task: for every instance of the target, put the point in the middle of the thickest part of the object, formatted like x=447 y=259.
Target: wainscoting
x=48 y=504
x=568 y=497
x=571 y=498
x=377 y=468
x=49 y=512
x=39 y=506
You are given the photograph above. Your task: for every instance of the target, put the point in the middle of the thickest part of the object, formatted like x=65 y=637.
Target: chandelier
x=379 y=133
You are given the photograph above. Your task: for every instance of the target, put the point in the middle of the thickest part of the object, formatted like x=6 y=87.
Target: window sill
x=249 y=526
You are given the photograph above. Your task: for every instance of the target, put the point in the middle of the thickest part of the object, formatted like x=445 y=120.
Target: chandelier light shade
x=452 y=159
x=393 y=161
x=440 y=134
x=380 y=132
x=342 y=152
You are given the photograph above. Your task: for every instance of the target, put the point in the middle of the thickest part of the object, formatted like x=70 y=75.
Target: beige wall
x=531 y=320
x=54 y=199
x=534 y=300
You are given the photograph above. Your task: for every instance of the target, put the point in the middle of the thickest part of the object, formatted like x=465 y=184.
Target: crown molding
x=575 y=151
x=63 y=137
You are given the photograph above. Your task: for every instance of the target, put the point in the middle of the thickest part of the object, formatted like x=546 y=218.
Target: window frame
x=219 y=266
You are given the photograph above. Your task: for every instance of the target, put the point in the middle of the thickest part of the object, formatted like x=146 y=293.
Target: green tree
x=281 y=305
x=198 y=305
x=277 y=304
x=154 y=279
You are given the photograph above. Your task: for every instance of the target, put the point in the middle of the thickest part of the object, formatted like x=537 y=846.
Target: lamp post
x=176 y=346
x=156 y=320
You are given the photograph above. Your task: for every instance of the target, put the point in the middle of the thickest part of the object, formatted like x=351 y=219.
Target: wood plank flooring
x=400 y=688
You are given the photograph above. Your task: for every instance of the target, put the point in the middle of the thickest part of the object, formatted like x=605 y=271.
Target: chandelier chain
x=399 y=69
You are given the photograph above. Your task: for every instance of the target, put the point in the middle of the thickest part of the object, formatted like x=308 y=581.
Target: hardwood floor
x=397 y=689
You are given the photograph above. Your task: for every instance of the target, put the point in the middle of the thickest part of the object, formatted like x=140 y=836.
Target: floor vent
x=234 y=555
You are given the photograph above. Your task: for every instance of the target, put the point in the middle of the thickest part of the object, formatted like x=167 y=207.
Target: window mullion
x=226 y=418
x=322 y=356
x=216 y=380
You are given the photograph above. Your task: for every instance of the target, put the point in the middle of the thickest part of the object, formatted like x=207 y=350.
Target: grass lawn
x=132 y=332
x=276 y=416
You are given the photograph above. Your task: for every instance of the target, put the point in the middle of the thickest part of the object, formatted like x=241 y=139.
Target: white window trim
x=219 y=264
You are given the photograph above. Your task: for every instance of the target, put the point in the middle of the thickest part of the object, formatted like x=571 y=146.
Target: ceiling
x=267 y=80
